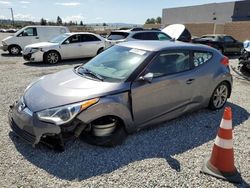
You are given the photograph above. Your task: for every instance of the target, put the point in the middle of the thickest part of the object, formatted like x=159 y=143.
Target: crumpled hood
x=67 y=87
x=42 y=45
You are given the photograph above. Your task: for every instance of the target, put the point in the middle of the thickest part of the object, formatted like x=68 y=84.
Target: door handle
x=37 y=37
x=79 y=45
x=190 y=81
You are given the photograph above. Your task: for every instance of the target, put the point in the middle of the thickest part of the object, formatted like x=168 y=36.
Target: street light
x=12 y=15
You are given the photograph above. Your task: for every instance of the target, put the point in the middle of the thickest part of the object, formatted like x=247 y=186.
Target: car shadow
x=10 y=55
x=82 y=161
x=63 y=62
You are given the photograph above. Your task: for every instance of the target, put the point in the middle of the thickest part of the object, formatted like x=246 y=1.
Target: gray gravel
x=168 y=155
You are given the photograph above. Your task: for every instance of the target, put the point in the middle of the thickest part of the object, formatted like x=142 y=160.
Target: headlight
x=34 y=50
x=64 y=114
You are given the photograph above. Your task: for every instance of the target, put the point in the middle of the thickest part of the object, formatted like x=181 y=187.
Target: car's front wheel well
x=100 y=50
x=105 y=131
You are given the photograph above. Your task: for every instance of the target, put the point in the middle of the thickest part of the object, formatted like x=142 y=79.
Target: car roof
x=216 y=35
x=143 y=31
x=73 y=33
x=163 y=45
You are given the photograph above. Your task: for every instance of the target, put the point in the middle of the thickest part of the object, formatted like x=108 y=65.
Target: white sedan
x=65 y=46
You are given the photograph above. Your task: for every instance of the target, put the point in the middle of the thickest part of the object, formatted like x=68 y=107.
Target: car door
x=170 y=91
x=71 y=47
x=90 y=44
x=230 y=44
x=28 y=36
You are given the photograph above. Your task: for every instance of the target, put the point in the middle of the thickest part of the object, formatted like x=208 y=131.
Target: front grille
x=22 y=133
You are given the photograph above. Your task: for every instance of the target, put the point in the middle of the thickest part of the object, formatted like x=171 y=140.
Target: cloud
x=74 y=18
x=99 y=18
x=69 y=4
x=26 y=17
x=5 y=2
x=24 y=2
x=3 y=17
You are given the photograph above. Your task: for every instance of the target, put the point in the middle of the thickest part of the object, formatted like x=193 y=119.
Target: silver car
x=127 y=87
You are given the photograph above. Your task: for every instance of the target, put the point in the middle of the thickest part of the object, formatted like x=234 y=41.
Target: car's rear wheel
x=219 y=97
x=107 y=131
x=52 y=57
x=14 y=50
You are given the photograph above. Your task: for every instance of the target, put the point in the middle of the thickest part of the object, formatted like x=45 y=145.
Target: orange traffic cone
x=221 y=162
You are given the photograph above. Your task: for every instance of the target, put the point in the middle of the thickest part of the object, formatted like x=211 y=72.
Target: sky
x=92 y=11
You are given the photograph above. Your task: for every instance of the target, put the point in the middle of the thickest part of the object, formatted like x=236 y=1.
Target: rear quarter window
x=200 y=58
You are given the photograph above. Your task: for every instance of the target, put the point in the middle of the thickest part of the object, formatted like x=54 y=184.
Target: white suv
x=130 y=35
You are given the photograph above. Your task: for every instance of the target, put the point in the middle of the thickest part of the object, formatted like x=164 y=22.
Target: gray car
x=127 y=87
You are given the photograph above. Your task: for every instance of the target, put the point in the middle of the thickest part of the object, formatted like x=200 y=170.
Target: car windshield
x=59 y=38
x=115 y=64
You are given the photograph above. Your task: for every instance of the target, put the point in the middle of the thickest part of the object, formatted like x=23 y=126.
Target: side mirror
x=148 y=77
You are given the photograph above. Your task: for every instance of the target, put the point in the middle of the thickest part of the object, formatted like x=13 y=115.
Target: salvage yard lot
x=170 y=154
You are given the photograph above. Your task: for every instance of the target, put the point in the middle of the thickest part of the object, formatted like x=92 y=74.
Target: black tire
x=14 y=50
x=219 y=99
x=52 y=57
x=116 y=138
x=100 y=51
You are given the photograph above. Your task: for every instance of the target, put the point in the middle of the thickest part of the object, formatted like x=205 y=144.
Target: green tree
x=43 y=22
x=59 y=20
x=150 y=21
x=81 y=23
x=158 y=20
x=104 y=24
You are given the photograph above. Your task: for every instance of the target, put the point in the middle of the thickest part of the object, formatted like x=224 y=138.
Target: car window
x=31 y=31
x=89 y=38
x=199 y=58
x=75 y=39
x=169 y=63
x=117 y=35
x=162 y=36
x=145 y=36
x=228 y=39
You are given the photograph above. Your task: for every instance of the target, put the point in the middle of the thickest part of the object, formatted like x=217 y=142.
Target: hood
x=42 y=45
x=9 y=38
x=178 y=32
x=67 y=87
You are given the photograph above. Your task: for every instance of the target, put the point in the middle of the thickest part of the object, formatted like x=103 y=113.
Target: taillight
x=225 y=61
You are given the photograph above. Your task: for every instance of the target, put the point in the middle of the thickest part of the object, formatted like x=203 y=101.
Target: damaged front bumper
x=33 y=56
x=27 y=126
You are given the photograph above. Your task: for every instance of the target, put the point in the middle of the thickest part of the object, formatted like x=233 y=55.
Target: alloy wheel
x=220 y=96
x=14 y=50
x=52 y=58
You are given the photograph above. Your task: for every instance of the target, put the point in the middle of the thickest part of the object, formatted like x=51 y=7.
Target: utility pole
x=12 y=15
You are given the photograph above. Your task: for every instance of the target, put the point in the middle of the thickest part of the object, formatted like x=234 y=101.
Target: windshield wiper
x=87 y=71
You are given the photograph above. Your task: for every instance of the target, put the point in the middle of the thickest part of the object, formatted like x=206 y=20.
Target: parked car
x=11 y=30
x=224 y=43
x=29 y=35
x=125 y=88
x=118 y=36
x=65 y=46
x=178 y=32
x=3 y=30
x=244 y=59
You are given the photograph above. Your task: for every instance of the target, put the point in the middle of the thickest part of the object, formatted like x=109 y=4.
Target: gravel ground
x=169 y=155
